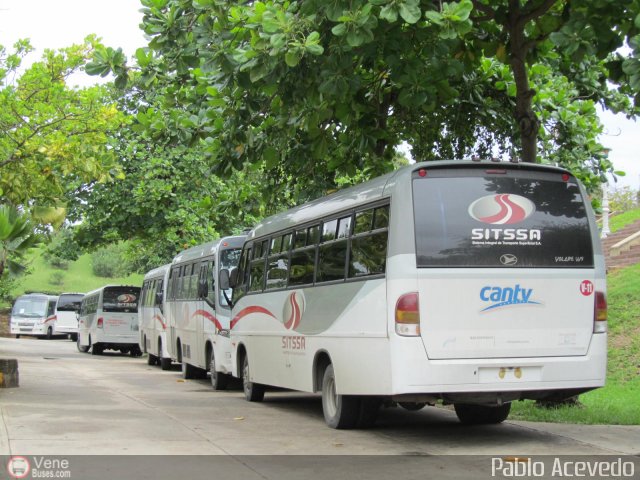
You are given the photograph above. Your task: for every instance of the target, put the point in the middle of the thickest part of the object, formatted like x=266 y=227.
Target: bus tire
x=81 y=348
x=188 y=371
x=17 y=336
x=96 y=349
x=135 y=351
x=253 y=392
x=49 y=333
x=73 y=337
x=219 y=380
x=340 y=411
x=413 y=406
x=482 y=414
x=152 y=359
x=165 y=363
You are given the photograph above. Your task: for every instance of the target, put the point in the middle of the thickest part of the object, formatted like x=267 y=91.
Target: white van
x=34 y=314
x=109 y=320
x=67 y=310
x=469 y=283
x=151 y=315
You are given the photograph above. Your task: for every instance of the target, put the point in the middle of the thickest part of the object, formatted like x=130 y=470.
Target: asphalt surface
x=73 y=404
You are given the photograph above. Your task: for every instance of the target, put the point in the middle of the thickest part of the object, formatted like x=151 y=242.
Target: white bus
x=67 y=310
x=198 y=312
x=109 y=320
x=153 y=323
x=34 y=314
x=475 y=284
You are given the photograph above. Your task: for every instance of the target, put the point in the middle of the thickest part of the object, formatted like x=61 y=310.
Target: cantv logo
x=506 y=296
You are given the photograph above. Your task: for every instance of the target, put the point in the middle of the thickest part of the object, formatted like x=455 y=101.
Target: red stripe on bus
x=209 y=317
x=249 y=310
x=159 y=318
x=51 y=319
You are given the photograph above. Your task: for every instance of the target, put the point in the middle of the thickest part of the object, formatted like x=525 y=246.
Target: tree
x=16 y=239
x=321 y=88
x=52 y=136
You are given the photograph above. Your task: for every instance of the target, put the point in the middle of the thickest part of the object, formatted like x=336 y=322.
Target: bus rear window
x=469 y=218
x=120 y=299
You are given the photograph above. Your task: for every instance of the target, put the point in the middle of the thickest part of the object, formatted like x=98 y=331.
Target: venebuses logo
x=502 y=209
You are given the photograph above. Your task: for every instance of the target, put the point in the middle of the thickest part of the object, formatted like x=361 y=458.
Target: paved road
x=70 y=403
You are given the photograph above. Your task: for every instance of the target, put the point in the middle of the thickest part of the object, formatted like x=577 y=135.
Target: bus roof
x=207 y=249
x=370 y=191
x=157 y=272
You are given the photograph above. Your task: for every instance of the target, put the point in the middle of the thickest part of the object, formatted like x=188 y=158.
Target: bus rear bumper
x=511 y=378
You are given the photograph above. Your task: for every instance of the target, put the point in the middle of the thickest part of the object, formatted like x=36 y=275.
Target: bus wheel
x=17 y=336
x=219 y=381
x=81 y=348
x=188 y=371
x=49 y=333
x=413 y=406
x=73 y=337
x=135 y=351
x=340 y=411
x=481 y=414
x=253 y=392
x=165 y=363
x=96 y=349
x=152 y=359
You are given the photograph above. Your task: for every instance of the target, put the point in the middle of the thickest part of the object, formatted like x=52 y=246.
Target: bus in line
x=468 y=283
x=34 y=314
x=109 y=320
x=67 y=310
x=153 y=322
x=198 y=312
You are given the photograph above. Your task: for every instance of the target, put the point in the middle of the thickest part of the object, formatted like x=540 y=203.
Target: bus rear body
x=34 y=314
x=67 y=310
x=469 y=283
x=109 y=320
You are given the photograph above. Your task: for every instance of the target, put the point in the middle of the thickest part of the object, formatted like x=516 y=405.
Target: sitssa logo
x=502 y=209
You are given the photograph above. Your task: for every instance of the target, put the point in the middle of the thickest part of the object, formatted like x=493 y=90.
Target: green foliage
x=317 y=90
x=620 y=221
x=111 y=261
x=7 y=284
x=52 y=137
x=16 y=239
x=61 y=249
x=623 y=199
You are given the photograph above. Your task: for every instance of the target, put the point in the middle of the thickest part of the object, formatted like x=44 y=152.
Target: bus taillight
x=100 y=322
x=408 y=315
x=600 y=313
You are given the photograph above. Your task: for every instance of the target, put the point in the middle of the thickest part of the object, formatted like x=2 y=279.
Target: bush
x=56 y=279
x=111 y=261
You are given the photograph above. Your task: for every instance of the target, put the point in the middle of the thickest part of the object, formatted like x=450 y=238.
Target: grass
x=617 y=402
x=618 y=222
x=78 y=277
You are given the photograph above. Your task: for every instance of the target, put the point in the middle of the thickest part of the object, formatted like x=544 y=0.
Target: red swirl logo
x=502 y=209
x=127 y=298
x=293 y=310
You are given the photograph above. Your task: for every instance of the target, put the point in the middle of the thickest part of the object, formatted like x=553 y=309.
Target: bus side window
x=256 y=267
x=278 y=262
x=159 y=289
x=243 y=273
x=368 y=252
x=52 y=307
x=332 y=254
x=211 y=281
x=303 y=260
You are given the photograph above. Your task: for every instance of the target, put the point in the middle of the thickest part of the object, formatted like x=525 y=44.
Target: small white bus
x=469 y=283
x=109 y=320
x=151 y=314
x=67 y=310
x=198 y=312
x=34 y=314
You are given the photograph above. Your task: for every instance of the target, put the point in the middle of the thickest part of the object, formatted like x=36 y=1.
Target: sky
x=60 y=23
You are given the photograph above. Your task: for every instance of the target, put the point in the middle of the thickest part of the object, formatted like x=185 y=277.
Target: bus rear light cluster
x=600 y=313
x=408 y=315
x=100 y=323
